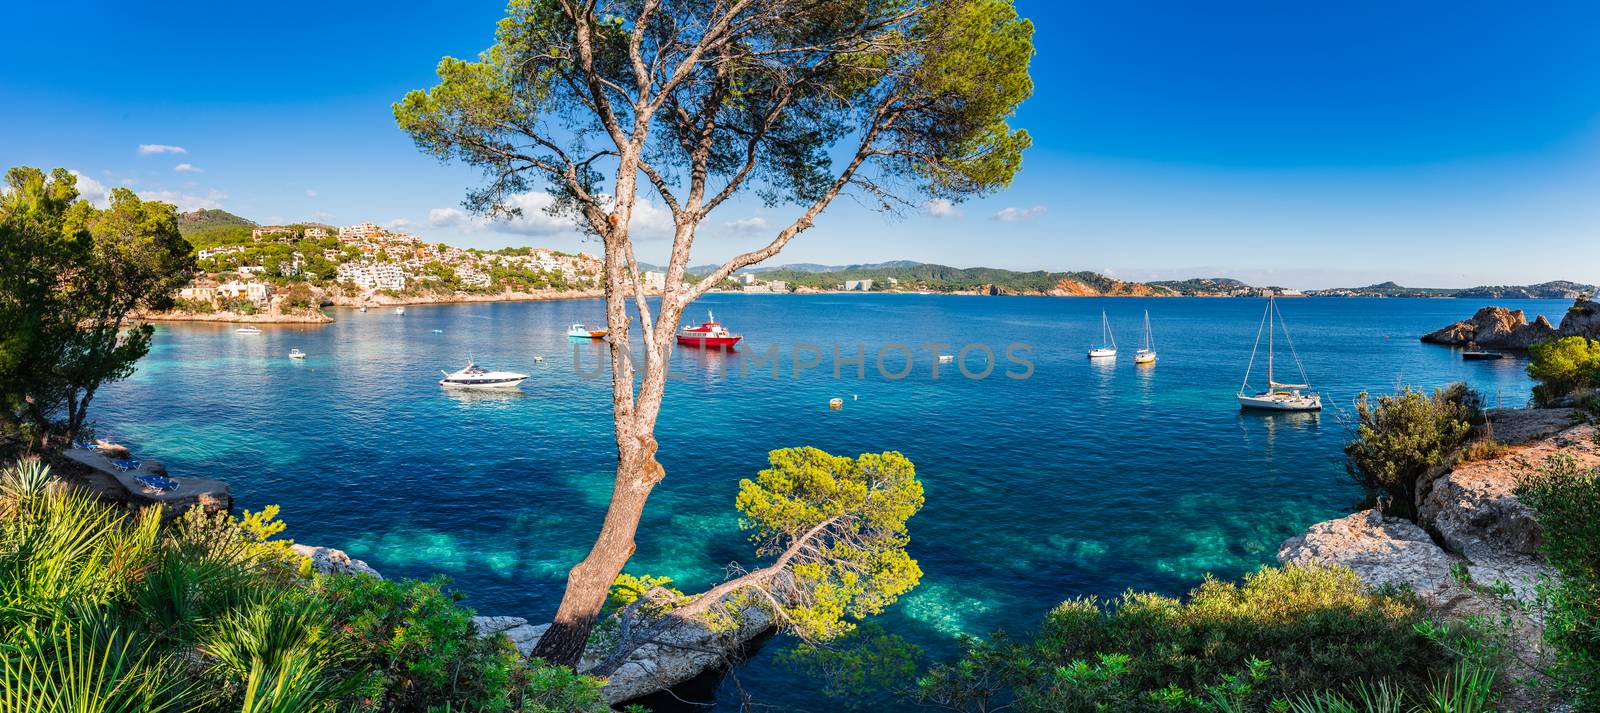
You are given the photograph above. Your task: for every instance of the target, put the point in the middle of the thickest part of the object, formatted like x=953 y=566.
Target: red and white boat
x=711 y=335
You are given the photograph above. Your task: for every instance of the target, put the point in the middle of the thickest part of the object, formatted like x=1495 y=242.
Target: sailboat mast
x=1271 y=308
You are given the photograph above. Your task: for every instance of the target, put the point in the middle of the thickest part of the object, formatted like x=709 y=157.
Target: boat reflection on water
x=471 y=397
x=1270 y=423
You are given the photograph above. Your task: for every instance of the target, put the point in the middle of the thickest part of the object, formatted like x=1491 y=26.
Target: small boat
x=711 y=334
x=296 y=354
x=476 y=377
x=1474 y=353
x=1108 y=343
x=946 y=358
x=399 y=310
x=580 y=331
x=438 y=331
x=1147 y=353
x=247 y=330
x=363 y=309
x=1278 y=396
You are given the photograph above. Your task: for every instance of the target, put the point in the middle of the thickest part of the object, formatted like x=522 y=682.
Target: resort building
x=256 y=292
x=359 y=232
x=472 y=278
x=372 y=276
x=209 y=253
x=858 y=285
x=748 y=278
x=267 y=231
x=654 y=280
x=316 y=232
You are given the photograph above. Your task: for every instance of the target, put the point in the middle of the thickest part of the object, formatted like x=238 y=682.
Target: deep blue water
x=1086 y=478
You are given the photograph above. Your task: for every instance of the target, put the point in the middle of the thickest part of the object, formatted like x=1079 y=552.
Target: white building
x=254 y=291
x=471 y=277
x=359 y=232
x=316 y=232
x=267 y=231
x=654 y=280
x=747 y=279
x=209 y=253
x=372 y=276
x=858 y=285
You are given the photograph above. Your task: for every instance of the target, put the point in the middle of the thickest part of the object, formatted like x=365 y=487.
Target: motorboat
x=363 y=309
x=1146 y=353
x=1108 y=343
x=1278 y=396
x=710 y=334
x=581 y=331
x=247 y=330
x=296 y=354
x=399 y=310
x=477 y=377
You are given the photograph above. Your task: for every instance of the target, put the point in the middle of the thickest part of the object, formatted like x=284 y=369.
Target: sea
x=1048 y=475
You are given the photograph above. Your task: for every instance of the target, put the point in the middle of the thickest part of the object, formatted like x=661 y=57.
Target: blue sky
x=1304 y=144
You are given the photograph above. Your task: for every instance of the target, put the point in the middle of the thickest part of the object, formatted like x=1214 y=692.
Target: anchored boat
x=1278 y=396
x=1147 y=353
x=474 y=376
x=1108 y=343
x=711 y=334
x=581 y=331
x=296 y=354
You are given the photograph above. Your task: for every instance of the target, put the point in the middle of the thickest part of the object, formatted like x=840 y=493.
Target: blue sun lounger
x=126 y=464
x=158 y=483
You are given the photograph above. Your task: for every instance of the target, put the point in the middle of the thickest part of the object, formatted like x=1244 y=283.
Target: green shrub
x=1278 y=634
x=107 y=610
x=1566 y=501
x=1563 y=366
x=1403 y=436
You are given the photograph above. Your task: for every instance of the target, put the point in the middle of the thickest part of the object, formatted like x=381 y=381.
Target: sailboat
x=1147 y=354
x=1278 y=396
x=1108 y=343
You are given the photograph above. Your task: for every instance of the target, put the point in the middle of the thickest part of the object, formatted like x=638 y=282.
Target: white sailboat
x=1146 y=354
x=1108 y=343
x=1278 y=396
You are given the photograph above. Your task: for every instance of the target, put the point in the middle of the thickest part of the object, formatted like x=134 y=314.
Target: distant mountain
x=1554 y=290
x=210 y=218
x=1203 y=285
x=1559 y=289
x=212 y=226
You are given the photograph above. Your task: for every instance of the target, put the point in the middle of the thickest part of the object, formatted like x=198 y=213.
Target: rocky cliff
x=1501 y=328
x=1472 y=532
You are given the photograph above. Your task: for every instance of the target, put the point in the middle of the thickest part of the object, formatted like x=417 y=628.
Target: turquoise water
x=1087 y=478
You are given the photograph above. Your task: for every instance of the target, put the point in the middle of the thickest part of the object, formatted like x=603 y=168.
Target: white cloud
x=649 y=220
x=1017 y=215
x=91 y=190
x=398 y=224
x=185 y=201
x=310 y=193
x=147 y=149
x=753 y=224
x=941 y=208
x=187 y=168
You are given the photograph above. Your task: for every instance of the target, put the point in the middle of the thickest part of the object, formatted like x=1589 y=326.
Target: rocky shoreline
x=1472 y=534
x=1502 y=328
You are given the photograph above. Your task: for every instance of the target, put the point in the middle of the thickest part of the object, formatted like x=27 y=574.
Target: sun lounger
x=157 y=483
x=126 y=464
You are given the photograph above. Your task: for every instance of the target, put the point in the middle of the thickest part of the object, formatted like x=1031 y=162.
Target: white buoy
x=835 y=403
x=855 y=397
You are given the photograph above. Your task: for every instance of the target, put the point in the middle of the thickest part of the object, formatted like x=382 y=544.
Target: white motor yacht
x=296 y=354
x=476 y=377
x=247 y=330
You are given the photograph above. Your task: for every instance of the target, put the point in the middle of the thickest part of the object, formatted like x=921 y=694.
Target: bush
x=103 y=609
x=1403 y=436
x=1279 y=634
x=1562 y=367
x=1566 y=501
